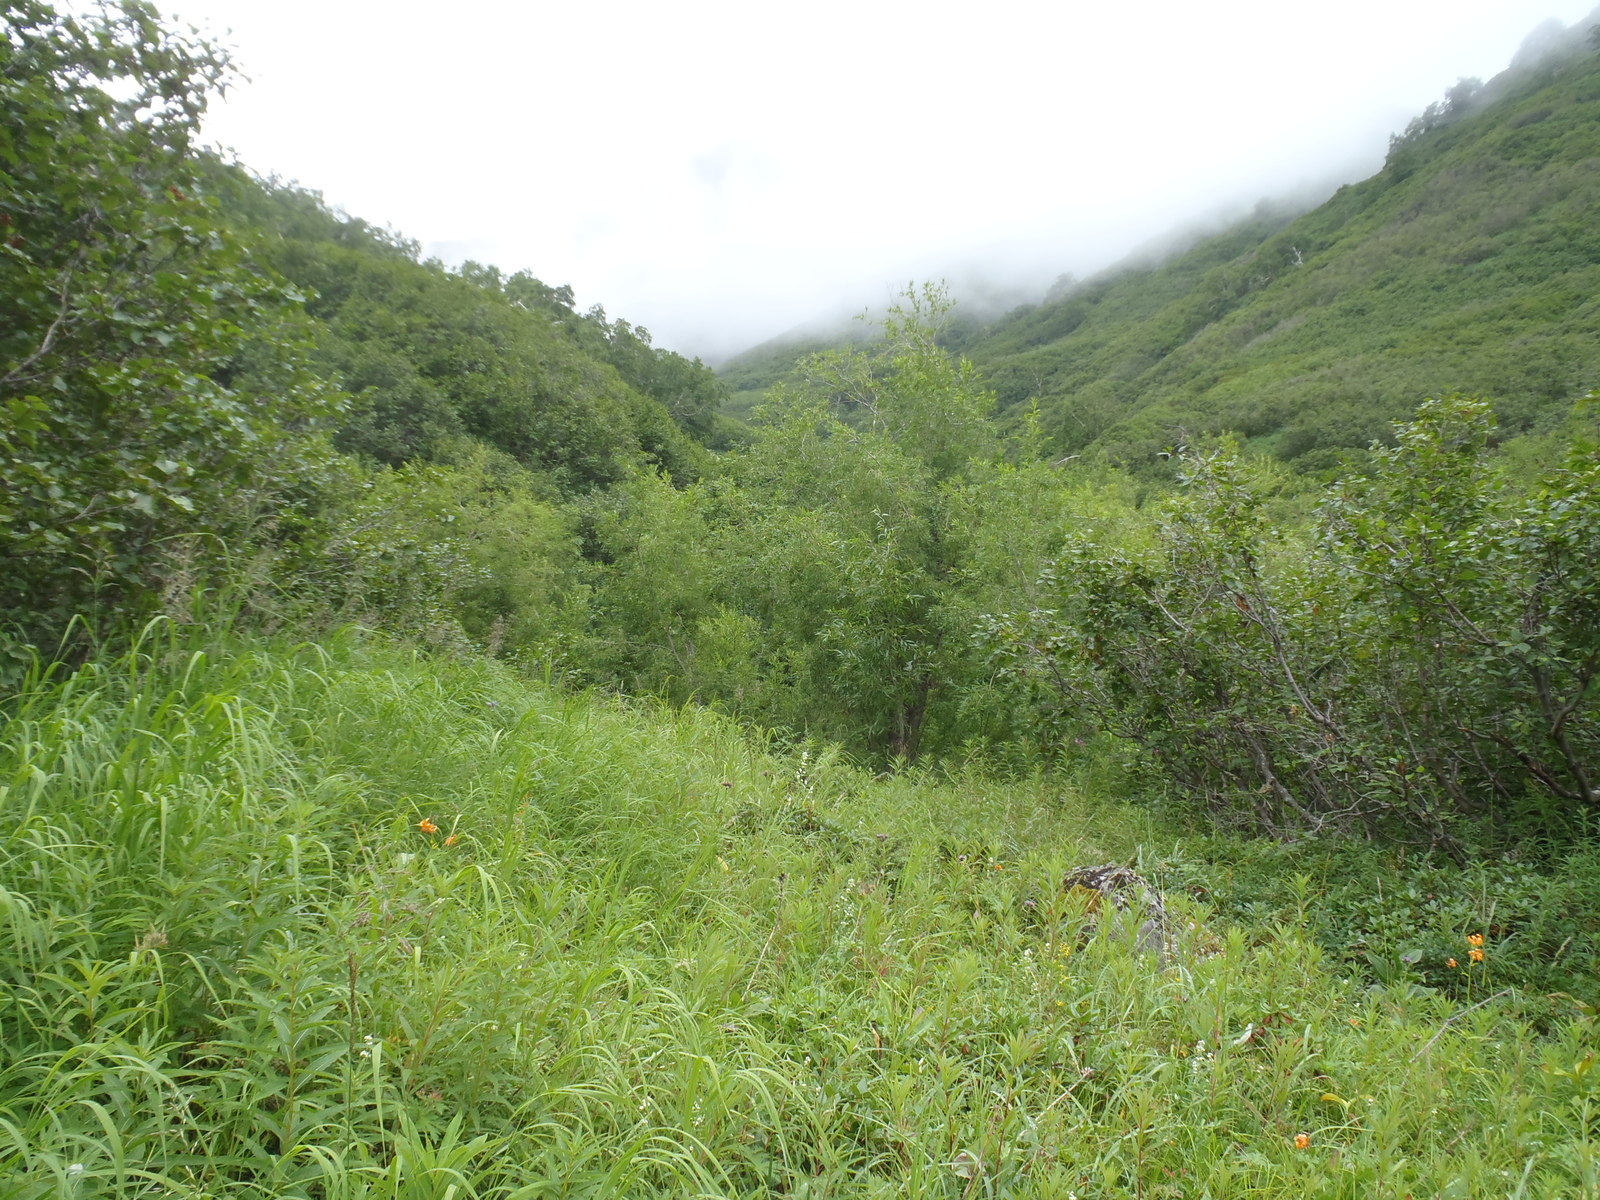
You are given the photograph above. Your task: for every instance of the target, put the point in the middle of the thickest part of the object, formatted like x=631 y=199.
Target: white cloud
x=720 y=171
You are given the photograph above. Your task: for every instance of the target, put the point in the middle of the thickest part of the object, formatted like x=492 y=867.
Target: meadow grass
x=341 y=920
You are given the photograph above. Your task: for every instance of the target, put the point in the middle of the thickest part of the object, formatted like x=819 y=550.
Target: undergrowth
x=343 y=921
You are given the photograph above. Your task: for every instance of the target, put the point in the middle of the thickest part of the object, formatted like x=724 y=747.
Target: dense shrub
x=153 y=391
x=1427 y=656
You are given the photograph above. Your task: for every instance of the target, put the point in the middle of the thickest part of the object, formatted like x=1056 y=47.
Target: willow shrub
x=1427 y=657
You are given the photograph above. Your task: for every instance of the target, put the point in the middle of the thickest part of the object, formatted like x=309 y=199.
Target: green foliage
x=826 y=581
x=1396 y=916
x=749 y=376
x=153 y=384
x=433 y=354
x=642 y=957
x=166 y=392
x=687 y=389
x=356 y=920
x=290 y=921
x=474 y=553
x=1427 y=656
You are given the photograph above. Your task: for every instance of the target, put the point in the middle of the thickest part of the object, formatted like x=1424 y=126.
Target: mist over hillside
x=1310 y=323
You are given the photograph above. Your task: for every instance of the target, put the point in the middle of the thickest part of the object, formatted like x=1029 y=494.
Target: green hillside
x=339 y=921
x=432 y=356
x=750 y=375
x=1470 y=262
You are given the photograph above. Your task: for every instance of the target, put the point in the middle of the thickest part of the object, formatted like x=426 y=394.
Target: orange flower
x=1302 y=1140
x=1475 y=954
x=427 y=826
x=451 y=840
x=1474 y=939
x=1450 y=962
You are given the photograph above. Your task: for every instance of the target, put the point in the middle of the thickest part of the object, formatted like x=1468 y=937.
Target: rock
x=1126 y=890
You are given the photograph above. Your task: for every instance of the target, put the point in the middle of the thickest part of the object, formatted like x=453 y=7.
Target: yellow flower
x=427 y=826
x=451 y=840
x=1450 y=962
x=1474 y=939
x=1302 y=1140
x=1475 y=954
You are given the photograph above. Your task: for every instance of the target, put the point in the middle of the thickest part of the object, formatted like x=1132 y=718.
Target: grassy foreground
x=339 y=921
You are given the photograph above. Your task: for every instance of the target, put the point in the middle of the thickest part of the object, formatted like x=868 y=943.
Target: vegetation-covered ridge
x=1468 y=263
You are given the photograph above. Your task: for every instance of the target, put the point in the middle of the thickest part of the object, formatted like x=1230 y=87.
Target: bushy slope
x=433 y=355
x=1471 y=262
x=750 y=375
x=294 y=921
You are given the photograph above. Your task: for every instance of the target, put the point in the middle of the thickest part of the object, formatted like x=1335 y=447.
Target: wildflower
x=1451 y=963
x=1302 y=1140
x=427 y=826
x=451 y=840
x=1474 y=939
x=1475 y=954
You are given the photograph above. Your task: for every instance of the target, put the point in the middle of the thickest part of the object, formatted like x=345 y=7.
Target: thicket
x=215 y=381
x=1424 y=655
x=157 y=401
x=827 y=577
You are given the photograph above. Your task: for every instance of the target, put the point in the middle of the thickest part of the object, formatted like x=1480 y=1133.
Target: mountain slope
x=434 y=355
x=1470 y=262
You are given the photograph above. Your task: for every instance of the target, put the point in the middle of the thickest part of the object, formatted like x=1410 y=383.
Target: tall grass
x=641 y=956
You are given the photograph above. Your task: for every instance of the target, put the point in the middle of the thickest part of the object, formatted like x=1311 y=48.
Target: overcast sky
x=722 y=172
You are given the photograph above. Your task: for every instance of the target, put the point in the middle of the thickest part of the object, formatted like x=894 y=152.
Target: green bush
x=1398 y=918
x=1424 y=659
x=154 y=397
x=475 y=552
